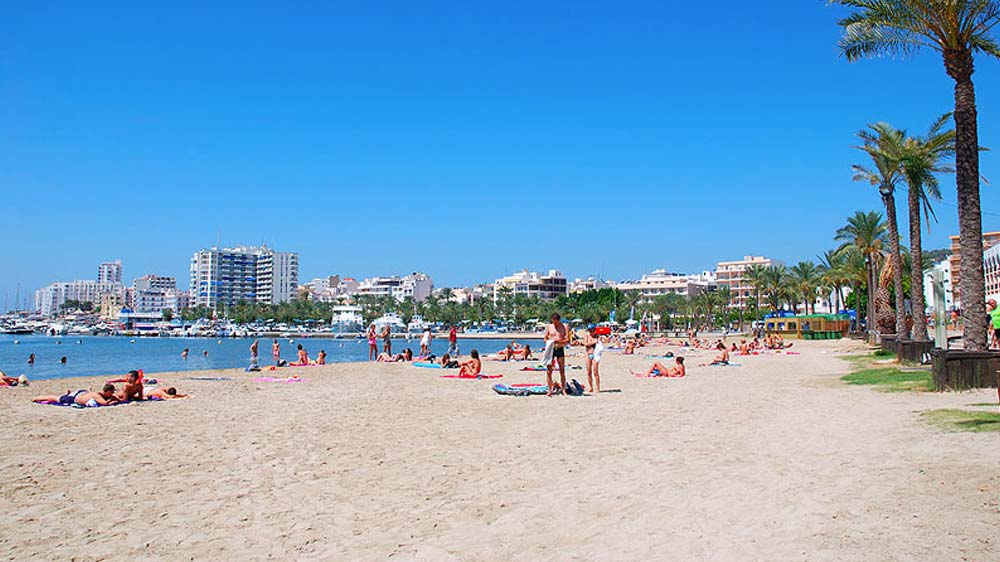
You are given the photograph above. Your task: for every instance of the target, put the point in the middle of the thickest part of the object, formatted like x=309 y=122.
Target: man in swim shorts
x=87 y=398
x=558 y=334
x=132 y=389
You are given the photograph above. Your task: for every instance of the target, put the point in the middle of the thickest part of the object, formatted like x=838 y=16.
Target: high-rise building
x=730 y=274
x=110 y=272
x=226 y=276
x=152 y=294
x=49 y=300
x=546 y=286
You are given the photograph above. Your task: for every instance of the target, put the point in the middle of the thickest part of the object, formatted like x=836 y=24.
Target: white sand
x=774 y=460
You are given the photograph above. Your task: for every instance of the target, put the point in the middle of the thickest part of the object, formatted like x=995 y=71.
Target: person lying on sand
x=660 y=370
x=164 y=394
x=472 y=367
x=447 y=362
x=406 y=355
x=132 y=388
x=11 y=381
x=87 y=398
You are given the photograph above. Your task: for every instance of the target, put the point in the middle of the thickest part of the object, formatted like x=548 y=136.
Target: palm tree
x=854 y=268
x=880 y=142
x=832 y=263
x=866 y=232
x=805 y=278
x=921 y=158
x=755 y=276
x=958 y=29
x=776 y=285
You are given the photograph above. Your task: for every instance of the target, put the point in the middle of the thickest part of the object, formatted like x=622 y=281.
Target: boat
x=392 y=320
x=346 y=319
x=16 y=328
x=416 y=325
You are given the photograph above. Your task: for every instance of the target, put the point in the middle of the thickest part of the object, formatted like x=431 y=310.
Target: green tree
x=958 y=30
x=867 y=233
x=806 y=277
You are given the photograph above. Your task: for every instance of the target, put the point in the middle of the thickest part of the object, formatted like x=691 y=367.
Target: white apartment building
x=226 y=276
x=49 y=300
x=661 y=282
x=545 y=286
x=589 y=284
x=152 y=294
x=417 y=286
x=730 y=274
x=110 y=272
x=333 y=288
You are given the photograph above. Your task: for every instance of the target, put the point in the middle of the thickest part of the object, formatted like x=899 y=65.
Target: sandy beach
x=776 y=459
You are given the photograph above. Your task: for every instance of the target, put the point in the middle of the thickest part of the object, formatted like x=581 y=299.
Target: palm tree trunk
x=897 y=264
x=871 y=293
x=972 y=289
x=917 y=268
x=857 y=307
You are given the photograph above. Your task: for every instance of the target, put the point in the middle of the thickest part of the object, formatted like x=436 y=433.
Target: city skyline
x=331 y=134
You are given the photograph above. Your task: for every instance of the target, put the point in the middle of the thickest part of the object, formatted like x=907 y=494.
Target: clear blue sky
x=464 y=139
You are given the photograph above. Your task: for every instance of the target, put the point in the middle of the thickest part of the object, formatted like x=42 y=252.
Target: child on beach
x=472 y=367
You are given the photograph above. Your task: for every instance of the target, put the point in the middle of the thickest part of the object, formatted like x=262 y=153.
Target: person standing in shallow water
x=275 y=351
x=372 y=343
x=387 y=339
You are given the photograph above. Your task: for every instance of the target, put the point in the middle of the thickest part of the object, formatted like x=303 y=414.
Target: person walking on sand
x=387 y=339
x=372 y=343
x=453 y=342
x=556 y=340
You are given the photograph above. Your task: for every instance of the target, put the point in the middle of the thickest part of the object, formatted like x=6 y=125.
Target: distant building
x=990 y=239
x=589 y=284
x=332 y=288
x=110 y=272
x=545 y=286
x=730 y=274
x=153 y=294
x=226 y=276
x=660 y=282
x=417 y=286
x=49 y=300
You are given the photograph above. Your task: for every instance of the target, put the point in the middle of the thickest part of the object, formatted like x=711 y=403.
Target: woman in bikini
x=372 y=343
x=472 y=367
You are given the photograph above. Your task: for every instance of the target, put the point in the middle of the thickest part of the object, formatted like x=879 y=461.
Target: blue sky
x=464 y=139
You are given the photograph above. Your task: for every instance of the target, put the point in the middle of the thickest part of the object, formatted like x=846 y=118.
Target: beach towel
x=479 y=376
x=274 y=379
x=520 y=390
x=536 y=368
x=549 y=354
x=207 y=378
x=428 y=365
x=725 y=365
x=79 y=407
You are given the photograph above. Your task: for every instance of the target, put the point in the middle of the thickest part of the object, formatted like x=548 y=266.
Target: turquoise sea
x=105 y=355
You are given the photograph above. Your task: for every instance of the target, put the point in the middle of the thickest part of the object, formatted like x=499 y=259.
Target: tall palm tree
x=880 y=142
x=866 y=232
x=921 y=159
x=854 y=268
x=833 y=275
x=776 y=286
x=958 y=29
x=755 y=276
x=805 y=277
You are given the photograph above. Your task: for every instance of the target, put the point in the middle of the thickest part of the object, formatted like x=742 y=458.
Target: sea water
x=110 y=355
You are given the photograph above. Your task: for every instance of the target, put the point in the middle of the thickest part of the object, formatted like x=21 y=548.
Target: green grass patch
x=964 y=420
x=984 y=404
x=891 y=379
x=883 y=354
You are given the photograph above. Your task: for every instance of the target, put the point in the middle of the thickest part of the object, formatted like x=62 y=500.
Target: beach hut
x=809 y=326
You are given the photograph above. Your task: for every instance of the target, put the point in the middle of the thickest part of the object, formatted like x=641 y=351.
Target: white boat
x=347 y=319
x=391 y=319
x=416 y=325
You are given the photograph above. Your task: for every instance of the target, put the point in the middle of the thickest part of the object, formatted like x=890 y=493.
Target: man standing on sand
x=453 y=342
x=556 y=336
x=387 y=339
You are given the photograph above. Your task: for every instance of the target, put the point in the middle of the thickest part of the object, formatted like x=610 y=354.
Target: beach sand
x=773 y=460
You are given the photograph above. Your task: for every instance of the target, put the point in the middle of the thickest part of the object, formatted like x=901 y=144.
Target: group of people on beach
x=132 y=390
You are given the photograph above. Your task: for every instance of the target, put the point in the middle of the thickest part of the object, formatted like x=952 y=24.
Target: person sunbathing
x=12 y=381
x=406 y=355
x=744 y=348
x=132 y=388
x=447 y=362
x=86 y=398
x=505 y=354
x=164 y=394
x=472 y=367
x=722 y=358
x=303 y=357
x=523 y=354
x=660 y=370
x=321 y=358
x=629 y=348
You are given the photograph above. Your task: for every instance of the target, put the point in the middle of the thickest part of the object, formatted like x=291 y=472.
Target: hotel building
x=730 y=274
x=990 y=239
x=226 y=276
x=545 y=286
x=660 y=282
x=417 y=286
